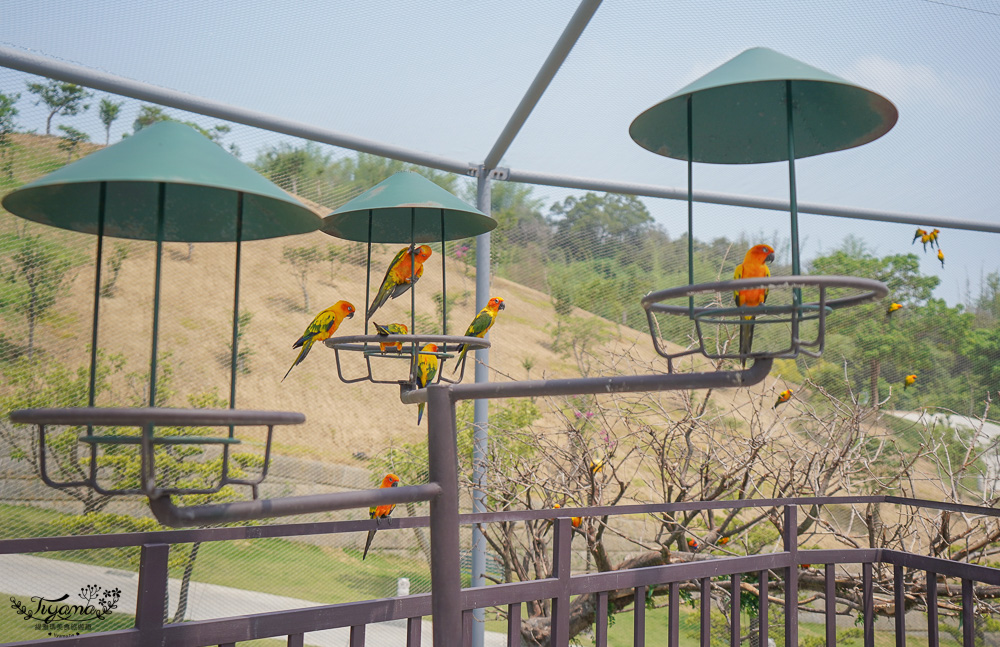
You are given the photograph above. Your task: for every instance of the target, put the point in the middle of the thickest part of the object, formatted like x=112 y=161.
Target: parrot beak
x=395 y=483
x=350 y=315
x=770 y=258
x=501 y=306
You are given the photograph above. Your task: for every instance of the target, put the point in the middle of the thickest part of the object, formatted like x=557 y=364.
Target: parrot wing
x=480 y=324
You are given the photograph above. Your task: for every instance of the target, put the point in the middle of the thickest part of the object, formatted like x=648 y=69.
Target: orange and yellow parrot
x=481 y=325
x=693 y=544
x=941 y=256
x=723 y=541
x=322 y=327
x=427 y=368
x=920 y=232
x=926 y=238
x=893 y=307
x=596 y=465
x=783 y=397
x=754 y=266
x=934 y=238
x=397 y=278
x=909 y=380
x=380 y=512
x=391 y=329
x=575 y=521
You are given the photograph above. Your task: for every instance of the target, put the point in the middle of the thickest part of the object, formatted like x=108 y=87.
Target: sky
x=443 y=77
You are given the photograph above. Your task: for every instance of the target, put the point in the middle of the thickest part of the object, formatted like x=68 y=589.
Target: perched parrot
x=934 y=238
x=481 y=325
x=391 y=329
x=908 y=381
x=893 y=307
x=693 y=544
x=926 y=238
x=723 y=541
x=920 y=232
x=941 y=256
x=783 y=397
x=596 y=466
x=427 y=368
x=754 y=266
x=380 y=512
x=322 y=327
x=397 y=278
x=576 y=521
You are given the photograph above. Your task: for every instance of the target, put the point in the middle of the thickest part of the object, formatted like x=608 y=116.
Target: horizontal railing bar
x=656 y=575
x=941 y=505
x=118 y=638
x=511 y=593
x=156 y=416
x=169 y=514
x=946 y=567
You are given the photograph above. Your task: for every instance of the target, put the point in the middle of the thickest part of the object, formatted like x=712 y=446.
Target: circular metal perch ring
x=360 y=342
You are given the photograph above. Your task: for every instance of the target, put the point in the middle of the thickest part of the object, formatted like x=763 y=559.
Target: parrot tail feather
x=368 y=543
x=302 y=355
x=461 y=358
x=746 y=340
x=420 y=412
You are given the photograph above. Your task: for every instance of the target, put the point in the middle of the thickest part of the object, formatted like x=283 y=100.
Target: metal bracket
x=500 y=173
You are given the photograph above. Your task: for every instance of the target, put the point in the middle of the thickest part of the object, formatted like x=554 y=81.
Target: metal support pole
x=791 y=541
x=446 y=581
x=150 y=607
x=481 y=411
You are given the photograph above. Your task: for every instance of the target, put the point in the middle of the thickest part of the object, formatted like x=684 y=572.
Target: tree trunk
x=48 y=123
x=182 y=598
x=876 y=368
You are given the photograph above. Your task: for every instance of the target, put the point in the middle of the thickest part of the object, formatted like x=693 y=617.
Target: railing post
x=601 y=623
x=705 y=612
x=933 y=635
x=673 y=616
x=899 y=593
x=442 y=466
x=968 y=617
x=762 y=608
x=791 y=541
x=868 y=604
x=734 y=610
x=559 y=629
x=639 y=617
x=151 y=602
x=830 y=591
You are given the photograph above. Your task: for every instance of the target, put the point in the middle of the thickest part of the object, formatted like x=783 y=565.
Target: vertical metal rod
x=481 y=410
x=791 y=541
x=295 y=640
x=933 y=633
x=466 y=626
x=734 y=610
x=830 y=590
x=673 y=615
x=968 y=615
x=690 y=169
x=368 y=278
x=601 y=622
x=160 y=206
x=792 y=194
x=705 y=612
x=413 y=283
x=639 y=617
x=413 y=627
x=444 y=287
x=868 y=604
x=561 y=547
x=762 y=608
x=898 y=592
x=101 y=204
x=236 y=304
x=446 y=581
x=357 y=638
x=150 y=607
x=514 y=624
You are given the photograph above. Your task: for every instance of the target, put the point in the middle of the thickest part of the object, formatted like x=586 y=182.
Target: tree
x=243 y=350
x=595 y=226
x=8 y=110
x=115 y=261
x=60 y=98
x=290 y=167
x=108 y=112
x=302 y=260
x=71 y=140
x=149 y=115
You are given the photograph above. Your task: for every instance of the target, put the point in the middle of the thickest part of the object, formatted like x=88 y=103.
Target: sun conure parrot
x=322 y=327
x=596 y=466
x=391 y=329
x=397 y=278
x=908 y=381
x=920 y=232
x=926 y=238
x=723 y=541
x=893 y=307
x=754 y=266
x=427 y=368
x=783 y=397
x=934 y=238
x=576 y=521
x=481 y=325
x=941 y=256
x=380 y=512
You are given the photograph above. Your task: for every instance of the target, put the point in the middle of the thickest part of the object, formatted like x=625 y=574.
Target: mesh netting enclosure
x=572 y=266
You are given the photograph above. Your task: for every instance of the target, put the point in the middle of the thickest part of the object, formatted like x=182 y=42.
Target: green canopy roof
x=394 y=201
x=200 y=199
x=739 y=113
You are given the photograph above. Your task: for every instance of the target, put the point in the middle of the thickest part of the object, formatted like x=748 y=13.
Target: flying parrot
x=322 y=327
x=481 y=325
x=893 y=307
x=754 y=266
x=908 y=381
x=783 y=397
x=380 y=512
x=427 y=368
x=934 y=238
x=920 y=232
x=941 y=256
x=926 y=238
x=397 y=278
x=391 y=329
